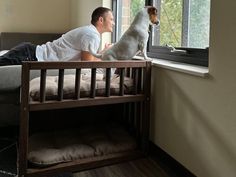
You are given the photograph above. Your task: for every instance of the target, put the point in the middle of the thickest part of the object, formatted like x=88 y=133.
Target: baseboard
x=168 y=163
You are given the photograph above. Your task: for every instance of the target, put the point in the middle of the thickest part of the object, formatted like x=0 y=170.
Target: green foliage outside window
x=171 y=22
x=199 y=23
x=136 y=5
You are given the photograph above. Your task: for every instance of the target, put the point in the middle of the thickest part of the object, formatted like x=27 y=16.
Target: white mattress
x=2 y=52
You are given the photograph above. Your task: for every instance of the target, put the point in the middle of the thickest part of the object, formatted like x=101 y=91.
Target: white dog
x=135 y=39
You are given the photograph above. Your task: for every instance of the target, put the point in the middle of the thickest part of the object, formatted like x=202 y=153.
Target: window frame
x=195 y=56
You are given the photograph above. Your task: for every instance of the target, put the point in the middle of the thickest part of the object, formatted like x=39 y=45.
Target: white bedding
x=2 y=52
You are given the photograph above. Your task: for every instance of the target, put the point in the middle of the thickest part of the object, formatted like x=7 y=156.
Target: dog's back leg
x=143 y=48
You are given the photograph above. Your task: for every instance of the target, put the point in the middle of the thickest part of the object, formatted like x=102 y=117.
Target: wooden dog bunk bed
x=135 y=103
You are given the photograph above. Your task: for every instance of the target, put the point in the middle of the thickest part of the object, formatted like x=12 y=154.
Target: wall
x=48 y=16
x=81 y=14
x=81 y=11
x=34 y=15
x=193 y=118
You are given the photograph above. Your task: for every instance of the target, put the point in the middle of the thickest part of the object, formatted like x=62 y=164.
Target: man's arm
x=86 y=56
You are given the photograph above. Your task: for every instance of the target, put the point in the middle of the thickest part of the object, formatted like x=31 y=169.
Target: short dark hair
x=98 y=12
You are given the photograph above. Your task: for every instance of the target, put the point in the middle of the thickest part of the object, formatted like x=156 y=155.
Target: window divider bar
x=185 y=23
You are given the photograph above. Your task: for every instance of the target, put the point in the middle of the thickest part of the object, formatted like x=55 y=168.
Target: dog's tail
x=97 y=55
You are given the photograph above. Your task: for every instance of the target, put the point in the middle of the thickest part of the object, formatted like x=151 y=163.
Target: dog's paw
x=148 y=58
x=138 y=57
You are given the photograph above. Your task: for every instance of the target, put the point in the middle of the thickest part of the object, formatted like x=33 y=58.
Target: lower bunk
x=84 y=129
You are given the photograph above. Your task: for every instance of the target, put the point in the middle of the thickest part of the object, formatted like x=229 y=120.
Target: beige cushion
x=69 y=86
x=51 y=87
x=87 y=141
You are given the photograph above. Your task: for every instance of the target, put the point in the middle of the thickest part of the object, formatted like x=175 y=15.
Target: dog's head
x=152 y=11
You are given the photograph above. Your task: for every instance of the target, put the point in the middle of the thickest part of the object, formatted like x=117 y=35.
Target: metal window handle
x=174 y=50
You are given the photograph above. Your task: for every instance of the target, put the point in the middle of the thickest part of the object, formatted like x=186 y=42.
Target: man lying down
x=71 y=46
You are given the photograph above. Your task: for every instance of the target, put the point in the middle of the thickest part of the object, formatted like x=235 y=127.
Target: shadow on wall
x=180 y=126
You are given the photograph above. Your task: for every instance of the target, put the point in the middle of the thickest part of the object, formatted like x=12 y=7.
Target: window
x=124 y=12
x=183 y=33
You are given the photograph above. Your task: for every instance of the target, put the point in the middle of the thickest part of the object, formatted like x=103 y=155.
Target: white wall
x=193 y=118
x=34 y=15
x=48 y=15
x=81 y=11
x=81 y=14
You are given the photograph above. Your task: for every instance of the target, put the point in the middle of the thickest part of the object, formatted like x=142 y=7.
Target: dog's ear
x=152 y=10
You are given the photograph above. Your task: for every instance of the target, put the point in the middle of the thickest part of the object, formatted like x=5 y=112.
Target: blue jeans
x=23 y=52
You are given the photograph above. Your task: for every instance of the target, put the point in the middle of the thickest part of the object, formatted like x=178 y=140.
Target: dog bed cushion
x=50 y=148
x=69 y=86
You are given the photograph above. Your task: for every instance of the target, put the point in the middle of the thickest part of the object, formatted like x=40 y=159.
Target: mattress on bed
x=2 y=52
x=51 y=89
x=55 y=147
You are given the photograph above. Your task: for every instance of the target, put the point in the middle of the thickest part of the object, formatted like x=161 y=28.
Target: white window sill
x=181 y=67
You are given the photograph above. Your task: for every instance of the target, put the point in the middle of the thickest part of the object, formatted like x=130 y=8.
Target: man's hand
x=107 y=46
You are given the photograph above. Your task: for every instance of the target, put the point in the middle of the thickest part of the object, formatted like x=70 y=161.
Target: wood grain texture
x=144 y=167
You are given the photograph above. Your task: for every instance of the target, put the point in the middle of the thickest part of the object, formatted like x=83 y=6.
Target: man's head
x=102 y=18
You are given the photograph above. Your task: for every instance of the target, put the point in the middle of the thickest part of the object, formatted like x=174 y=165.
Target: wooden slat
x=135 y=80
x=86 y=64
x=71 y=103
x=43 y=84
x=77 y=83
x=140 y=80
x=24 y=120
x=122 y=76
x=108 y=82
x=93 y=83
x=128 y=72
x=60 y=84
x=146 y=107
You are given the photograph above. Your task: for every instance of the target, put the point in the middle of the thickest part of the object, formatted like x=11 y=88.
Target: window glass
x=170 y=29
x=199 y=23
x=126 y=11
x=183 y=23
